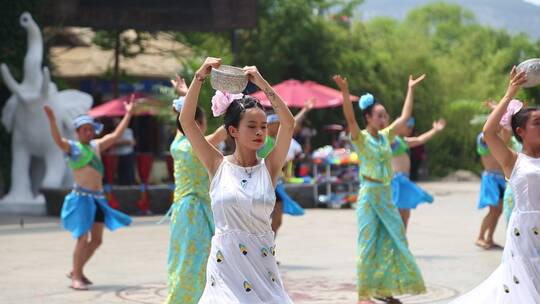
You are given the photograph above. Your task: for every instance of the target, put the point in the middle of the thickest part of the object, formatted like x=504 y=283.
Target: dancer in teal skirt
x=385 y=265
x=192 y=224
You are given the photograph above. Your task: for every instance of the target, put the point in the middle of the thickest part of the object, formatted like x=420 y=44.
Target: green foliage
x=455 y=147
x=464 y=61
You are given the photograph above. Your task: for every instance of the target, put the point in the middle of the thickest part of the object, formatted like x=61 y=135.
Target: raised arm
x=348 y=110
x=61 y=142
x=406 y=112
x=300 y=116
x=219 y=136
x=276 y=158
x=110 y=139
x=438 y=126
x=205 y=151
x=498 y=148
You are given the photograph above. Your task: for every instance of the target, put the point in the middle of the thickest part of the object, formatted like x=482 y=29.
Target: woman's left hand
x=310 y=104
x=254 y=76
x=439 y=125
x=515 y=83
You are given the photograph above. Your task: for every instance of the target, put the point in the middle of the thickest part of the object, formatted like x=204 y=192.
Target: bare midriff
x=490 y=163
x=401 y=163
x=88 y=178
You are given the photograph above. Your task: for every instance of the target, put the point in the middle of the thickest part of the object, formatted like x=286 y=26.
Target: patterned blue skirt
x=385 y=265
x=406 y=194
x=192 y=228
x=79 y=212
x=290 y=206
x=491 y=189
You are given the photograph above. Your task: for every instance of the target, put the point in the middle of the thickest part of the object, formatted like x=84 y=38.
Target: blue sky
x=536 y=2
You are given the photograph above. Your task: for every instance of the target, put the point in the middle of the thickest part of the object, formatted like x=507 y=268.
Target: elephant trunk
x=34 y=54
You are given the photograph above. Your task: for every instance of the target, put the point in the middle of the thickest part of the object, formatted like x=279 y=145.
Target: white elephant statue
x=24 y=117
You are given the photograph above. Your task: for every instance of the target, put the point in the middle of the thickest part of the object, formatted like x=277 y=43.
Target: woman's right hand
x=255 y=76
x=179 y=85
x=515 y=83
x=342 y=83
x=206 y=67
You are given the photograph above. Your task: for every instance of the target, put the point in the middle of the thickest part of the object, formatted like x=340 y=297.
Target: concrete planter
x=160 y=197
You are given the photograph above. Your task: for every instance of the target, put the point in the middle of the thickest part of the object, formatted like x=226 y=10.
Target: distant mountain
x=512 y=15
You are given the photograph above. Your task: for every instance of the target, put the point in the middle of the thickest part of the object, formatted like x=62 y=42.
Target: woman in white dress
x=241 y=266
x=517 y=279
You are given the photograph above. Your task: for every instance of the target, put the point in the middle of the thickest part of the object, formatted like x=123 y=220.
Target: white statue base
x=34 y=207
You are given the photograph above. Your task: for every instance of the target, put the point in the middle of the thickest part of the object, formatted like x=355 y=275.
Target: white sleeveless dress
x=517 y=279
x=242 y=268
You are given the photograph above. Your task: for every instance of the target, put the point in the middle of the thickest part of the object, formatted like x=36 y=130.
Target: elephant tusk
x=45 y=83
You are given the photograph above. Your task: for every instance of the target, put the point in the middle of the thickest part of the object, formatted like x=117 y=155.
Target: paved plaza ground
x=316 y=251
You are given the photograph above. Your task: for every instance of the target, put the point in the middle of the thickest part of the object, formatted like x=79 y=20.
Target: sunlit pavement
x=316 y=251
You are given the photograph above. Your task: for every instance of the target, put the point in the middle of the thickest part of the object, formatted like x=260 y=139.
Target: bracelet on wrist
x=199 y=77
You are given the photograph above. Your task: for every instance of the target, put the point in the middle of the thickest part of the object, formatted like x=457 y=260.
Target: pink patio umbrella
x=115 y=107
x=295 y=93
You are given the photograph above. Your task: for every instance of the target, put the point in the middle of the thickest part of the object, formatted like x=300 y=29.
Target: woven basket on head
x=532 y=69
x=228 y=79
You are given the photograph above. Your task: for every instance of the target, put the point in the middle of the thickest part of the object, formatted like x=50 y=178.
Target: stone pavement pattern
x=317 y=254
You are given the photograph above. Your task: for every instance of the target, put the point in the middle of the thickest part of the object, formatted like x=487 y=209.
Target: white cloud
x=535 y=2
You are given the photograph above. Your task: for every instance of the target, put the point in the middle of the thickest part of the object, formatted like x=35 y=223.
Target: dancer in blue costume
x=385 y=267
x=492 y=190
x=284 y=203
x=406 y=195
x=192 y=223
x=85 y=210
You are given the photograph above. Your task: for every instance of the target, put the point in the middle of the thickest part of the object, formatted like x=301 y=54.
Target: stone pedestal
x=23 y=208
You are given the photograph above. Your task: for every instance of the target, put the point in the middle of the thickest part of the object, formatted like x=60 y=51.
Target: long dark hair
x=519 y=120
x=199 y=117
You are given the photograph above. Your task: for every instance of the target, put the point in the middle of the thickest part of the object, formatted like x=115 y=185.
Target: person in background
x=85 y=211
x=492 y=188
x=406 y=194
x=124 y=149
x=385 y=264
x=192 y=222
x=283 y=201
